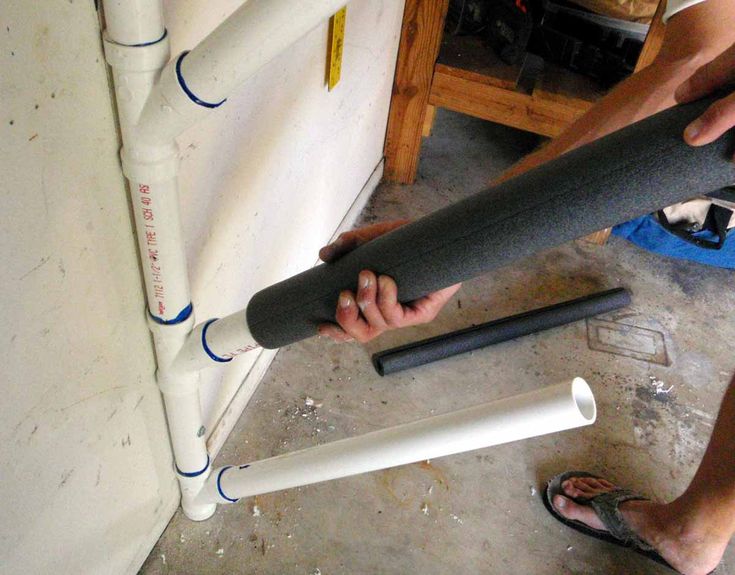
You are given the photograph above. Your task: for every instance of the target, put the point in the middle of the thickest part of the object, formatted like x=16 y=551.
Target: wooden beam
x=651 y=48
x=457 y=90
x=654 y=38
x=428 y=120
x=472 y=54
x=567 y=87
x=421 y=33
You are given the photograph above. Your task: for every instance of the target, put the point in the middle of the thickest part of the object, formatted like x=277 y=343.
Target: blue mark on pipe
x=143 y=44
x=193 y=473
x=244 y=466
x=182 y=316
x=210 y=353
x=186 y=89
x=219 y=485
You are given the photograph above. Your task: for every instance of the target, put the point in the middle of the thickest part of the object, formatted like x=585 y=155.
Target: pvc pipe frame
x=157 y=99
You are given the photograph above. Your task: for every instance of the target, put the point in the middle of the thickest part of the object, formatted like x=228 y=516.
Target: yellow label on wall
x=335 y=47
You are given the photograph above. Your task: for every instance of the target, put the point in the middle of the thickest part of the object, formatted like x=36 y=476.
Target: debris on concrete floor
x=457 y=519
x=659 y=386
x=311 y=402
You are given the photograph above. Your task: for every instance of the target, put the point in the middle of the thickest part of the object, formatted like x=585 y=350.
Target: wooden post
x=654 y=39
x=428 y=120
x=421 y=34
x=650 y=50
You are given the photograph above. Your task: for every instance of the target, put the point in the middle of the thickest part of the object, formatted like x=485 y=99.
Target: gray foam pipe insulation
x=634 y=171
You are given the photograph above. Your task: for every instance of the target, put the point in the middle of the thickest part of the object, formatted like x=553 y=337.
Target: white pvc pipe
x=187 y=437
x=133 y=22
x=152 y=173
x=555 y=408
x=161 y=244
x=188 y=440
x=136 y=49
x=254 y=35
x=248 y=39
x=215 y=341
x=184 y=416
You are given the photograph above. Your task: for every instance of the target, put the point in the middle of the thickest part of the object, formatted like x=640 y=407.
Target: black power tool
x=510 y=24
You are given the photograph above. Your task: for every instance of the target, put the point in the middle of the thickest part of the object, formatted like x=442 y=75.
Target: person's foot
x=689 y=548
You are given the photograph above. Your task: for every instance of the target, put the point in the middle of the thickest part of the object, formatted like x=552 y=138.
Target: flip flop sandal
x=606 y=505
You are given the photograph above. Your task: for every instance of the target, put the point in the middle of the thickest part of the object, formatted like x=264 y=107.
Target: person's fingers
x=376 y=308
x=387 y=299
x=334 y=332
x=344 y=243
x=349 y=319
x=366 y=294
x=717 y=120
x=708 y=78
x=425 y=309
x=422 y=310
x=348 y=241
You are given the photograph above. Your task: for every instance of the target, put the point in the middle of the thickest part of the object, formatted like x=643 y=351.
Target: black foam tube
x=637 y=170
x=496 y=331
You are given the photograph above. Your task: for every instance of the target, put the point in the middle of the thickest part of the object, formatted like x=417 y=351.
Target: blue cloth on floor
x=647 y=233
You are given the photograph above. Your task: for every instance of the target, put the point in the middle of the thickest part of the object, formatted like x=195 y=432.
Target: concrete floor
x=478 y=512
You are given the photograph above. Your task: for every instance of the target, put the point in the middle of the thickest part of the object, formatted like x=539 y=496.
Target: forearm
x=639 y=96
x=692 y=38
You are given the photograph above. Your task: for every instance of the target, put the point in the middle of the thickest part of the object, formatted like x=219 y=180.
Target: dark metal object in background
x=509 y=28
x=601 y=47
x=466 y=17
x=499 y=330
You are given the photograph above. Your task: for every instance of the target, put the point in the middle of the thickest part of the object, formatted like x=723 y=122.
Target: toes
x=595 y=484
x=576 y=487
x=585 y=487
x=567 y=507
x=571 y=510
x=589 y=486
x=570 y=488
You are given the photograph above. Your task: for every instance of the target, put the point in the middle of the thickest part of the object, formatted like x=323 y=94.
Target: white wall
x=86 y=474
x=85 y=467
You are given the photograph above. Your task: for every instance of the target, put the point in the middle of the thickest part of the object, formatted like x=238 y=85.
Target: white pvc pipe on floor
x=555 y=408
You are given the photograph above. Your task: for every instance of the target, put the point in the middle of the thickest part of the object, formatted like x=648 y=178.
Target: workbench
x=461 y=74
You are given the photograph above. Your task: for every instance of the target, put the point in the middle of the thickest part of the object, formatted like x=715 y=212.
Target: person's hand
x=720 y=116
x=375 y=308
